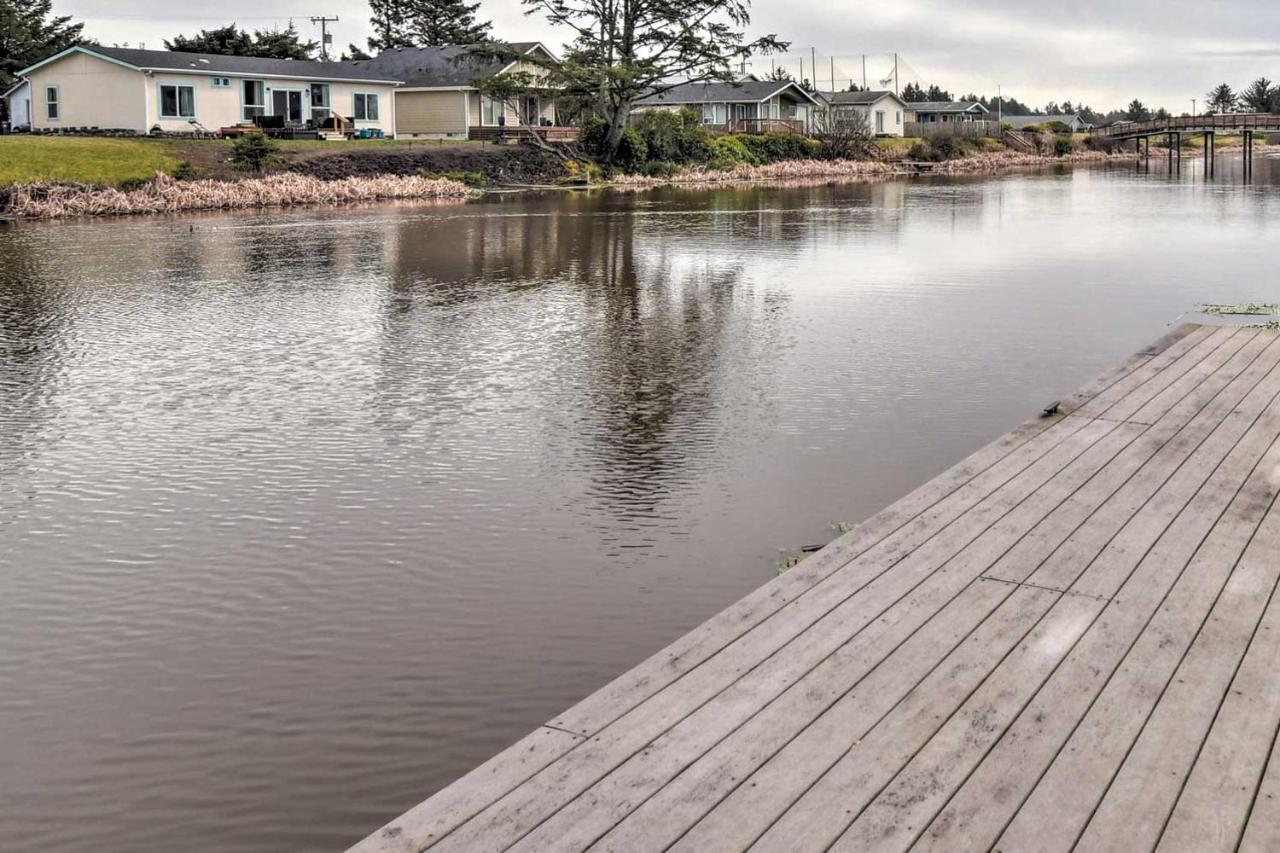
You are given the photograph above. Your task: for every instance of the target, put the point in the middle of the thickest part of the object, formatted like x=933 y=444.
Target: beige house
x=743 y=106
x=439 y=99
x=883 y=111
x=111 y=88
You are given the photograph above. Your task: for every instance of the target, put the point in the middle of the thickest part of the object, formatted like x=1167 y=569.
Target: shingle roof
x=945 y=106
x=856 y=98
x=712 y=92
x=429 y=67
x=209 y=63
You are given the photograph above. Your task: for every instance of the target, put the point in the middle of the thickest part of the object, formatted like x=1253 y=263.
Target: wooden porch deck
x=1069 y=640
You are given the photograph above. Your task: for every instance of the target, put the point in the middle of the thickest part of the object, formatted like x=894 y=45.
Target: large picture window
x=366 y=107
x=52 y=104
x=253 y=99
x=320 y=103
x=177 y=101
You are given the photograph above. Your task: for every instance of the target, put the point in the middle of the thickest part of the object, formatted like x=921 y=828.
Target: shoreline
x=164 y=194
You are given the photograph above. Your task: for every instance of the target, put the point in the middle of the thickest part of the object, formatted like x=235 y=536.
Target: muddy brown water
x=304 y=514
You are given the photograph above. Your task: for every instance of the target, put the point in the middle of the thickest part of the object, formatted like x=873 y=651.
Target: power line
x=325 y=38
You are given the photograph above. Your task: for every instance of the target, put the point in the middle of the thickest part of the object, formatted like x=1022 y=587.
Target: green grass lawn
x=111 y=161
x=894 y=143
x=86 y=160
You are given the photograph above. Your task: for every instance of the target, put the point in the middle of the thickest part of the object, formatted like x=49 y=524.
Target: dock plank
x=1067 y=638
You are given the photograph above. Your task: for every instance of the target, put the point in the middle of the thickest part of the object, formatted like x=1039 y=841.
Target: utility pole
x=1193 y=107
x=325 y=38
x=833 y=73
x=999 y=105
x=813 y=64
x=895 y=74
x=864 y=72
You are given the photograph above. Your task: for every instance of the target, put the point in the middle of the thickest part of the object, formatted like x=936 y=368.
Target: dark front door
x=287 y=103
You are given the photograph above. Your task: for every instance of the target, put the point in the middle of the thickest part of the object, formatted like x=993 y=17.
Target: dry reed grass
x=165 y=195
x=793 y=171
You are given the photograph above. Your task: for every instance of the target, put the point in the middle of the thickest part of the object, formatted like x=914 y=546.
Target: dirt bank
x=500 y=164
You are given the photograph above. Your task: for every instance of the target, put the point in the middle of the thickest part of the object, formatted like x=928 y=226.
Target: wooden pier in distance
x=1209 y=126
x=1070 y=640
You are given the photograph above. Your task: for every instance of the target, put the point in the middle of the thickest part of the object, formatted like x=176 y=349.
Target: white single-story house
x=883 y=111
x=18 y=99
x=743 y=105
x=946 y=111
x=1077 y=124
x=112 y=88
x=439 y=99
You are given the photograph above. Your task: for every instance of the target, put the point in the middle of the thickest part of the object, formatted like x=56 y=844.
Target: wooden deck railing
x=764 y=125
x=1194 y=124
x=519 y=133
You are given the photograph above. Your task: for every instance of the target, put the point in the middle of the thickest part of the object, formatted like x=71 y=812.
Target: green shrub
x=631 y=153
x=1062 y=146
x=675 y=137
x=660 y=169
x=935 y=149
x=591 y=137
x=471 y=179
x=729 y=151
x=772 y=147
x=1056 y=126
x=254 y=152
x=185 y=171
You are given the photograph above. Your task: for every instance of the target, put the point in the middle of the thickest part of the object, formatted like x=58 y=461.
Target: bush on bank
x=663 y=141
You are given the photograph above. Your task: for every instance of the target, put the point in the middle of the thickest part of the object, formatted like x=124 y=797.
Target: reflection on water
x=302 y=515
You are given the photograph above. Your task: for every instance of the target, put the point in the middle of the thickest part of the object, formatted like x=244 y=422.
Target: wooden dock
x=1069 y=640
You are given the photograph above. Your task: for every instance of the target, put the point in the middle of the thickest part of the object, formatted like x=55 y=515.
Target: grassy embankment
x=113 y=162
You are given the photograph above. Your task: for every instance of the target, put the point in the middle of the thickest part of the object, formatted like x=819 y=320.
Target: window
x=366 y=107
x=489 y=110
x=222 y=82
x=52 y=107
x=320 y=98
x=898 y=117
x=253 y=99
x=177 y=101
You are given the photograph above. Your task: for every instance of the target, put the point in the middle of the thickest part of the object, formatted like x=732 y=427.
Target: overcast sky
x=1101 y=52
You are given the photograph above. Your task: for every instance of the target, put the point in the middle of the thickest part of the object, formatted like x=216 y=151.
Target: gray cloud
x=1104 y=53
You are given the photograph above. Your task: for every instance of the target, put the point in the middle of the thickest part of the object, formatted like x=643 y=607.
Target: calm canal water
x=303 y=515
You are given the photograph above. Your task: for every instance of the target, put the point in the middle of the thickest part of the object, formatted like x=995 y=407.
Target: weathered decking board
x=1070 y=639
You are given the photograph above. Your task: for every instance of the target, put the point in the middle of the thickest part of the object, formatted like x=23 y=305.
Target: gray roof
x=1017 y=122
x=17 y=84
x=744 y=91
x=210 y=63
x=446 y=65
x=857 y=98
x=945 y=106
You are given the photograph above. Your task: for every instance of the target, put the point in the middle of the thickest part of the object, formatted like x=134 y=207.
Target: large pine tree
x=233 y=41
x=438 y=22
x=29 y=32
x=425 y=23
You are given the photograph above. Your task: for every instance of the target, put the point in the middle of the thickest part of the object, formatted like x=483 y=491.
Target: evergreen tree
x=1221 y=99
x=390 y=24
x=233 y=41
x=223 y=41
x=425 y=23
x=1261 y=96
x=440 y=22
x=283 y=44
x=353 y=53
x=29 y=32
x=1137 y=111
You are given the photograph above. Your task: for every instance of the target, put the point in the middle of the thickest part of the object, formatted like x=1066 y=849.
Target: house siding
x=91 y=92
x=435 y=114
x=95 y=92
